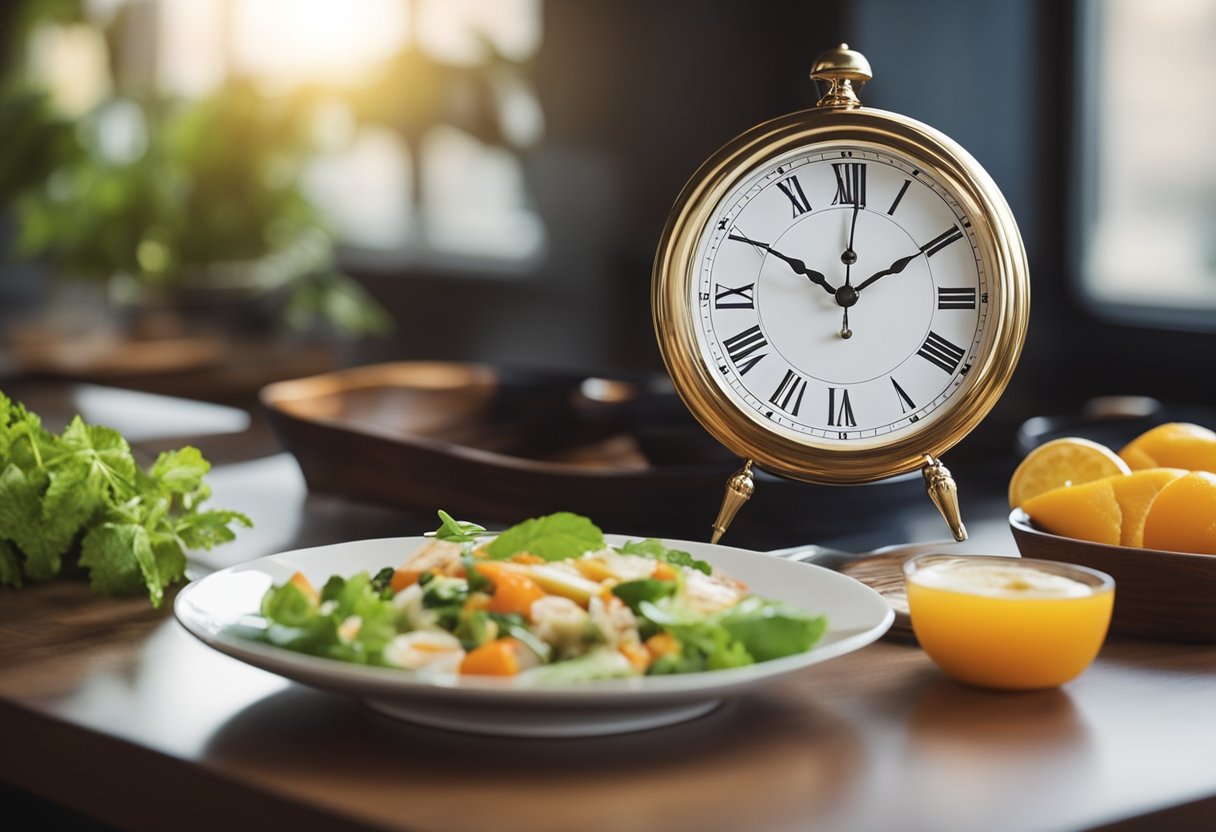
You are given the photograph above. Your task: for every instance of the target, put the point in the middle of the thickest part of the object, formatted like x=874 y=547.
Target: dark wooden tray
x=498 y=445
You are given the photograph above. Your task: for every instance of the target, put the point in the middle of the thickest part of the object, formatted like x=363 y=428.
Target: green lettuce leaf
x=289 y=605
x=652 y=548
x=771 y=629
x=704 y=643
x=755 y=629
x=633 y=593
x=298 y=623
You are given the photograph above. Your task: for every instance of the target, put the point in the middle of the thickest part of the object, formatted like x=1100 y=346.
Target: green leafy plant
x=80 y=499
x=211 y=202
x=37 y=141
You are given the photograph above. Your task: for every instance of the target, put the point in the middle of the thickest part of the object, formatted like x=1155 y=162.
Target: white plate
x=210 y=606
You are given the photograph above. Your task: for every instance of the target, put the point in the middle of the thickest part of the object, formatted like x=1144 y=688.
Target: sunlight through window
x=1148 y=174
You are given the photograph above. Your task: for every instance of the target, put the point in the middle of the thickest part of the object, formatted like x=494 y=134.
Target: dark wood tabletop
x=110 y=709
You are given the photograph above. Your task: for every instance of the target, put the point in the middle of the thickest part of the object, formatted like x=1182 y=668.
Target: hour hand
x=794 y=263
x=895 y=268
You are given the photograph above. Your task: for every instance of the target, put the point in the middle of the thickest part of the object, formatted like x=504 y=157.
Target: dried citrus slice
x=1061 y=462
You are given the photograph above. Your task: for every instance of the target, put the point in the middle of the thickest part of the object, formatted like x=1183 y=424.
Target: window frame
x=1082 y=192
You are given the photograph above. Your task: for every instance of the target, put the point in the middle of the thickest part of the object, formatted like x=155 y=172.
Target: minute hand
x=895 y=268
x=794 y=263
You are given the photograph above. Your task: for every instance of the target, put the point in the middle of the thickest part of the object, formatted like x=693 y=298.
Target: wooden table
x=111 y=709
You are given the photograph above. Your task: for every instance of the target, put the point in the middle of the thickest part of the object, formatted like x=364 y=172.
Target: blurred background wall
x=488 y=179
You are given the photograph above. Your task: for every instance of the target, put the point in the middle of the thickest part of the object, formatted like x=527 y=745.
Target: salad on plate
x=547 y=599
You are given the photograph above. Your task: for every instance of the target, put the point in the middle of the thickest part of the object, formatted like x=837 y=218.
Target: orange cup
x=1006 y=622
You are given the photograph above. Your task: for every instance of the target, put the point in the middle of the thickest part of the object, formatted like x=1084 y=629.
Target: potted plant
x=184 y=207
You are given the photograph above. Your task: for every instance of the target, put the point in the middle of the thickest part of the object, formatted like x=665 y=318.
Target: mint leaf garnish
x=552 y=537
x=456 y=531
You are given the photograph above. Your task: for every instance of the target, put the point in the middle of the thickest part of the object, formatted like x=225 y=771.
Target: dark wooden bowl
x=1161 y=595
x=495 y=445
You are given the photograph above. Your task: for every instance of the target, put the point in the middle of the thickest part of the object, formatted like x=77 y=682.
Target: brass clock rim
x=1002 y=256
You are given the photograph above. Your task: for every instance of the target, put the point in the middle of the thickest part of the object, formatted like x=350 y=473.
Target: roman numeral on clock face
x=948 y=298
x=792 y=188
x=905 y=401
x=738 y=298
x=850 y=183
x=942 y=240
x=895 y=203
x=937 y=350
x=788 y=395
x=840 y=409
x=743 y=346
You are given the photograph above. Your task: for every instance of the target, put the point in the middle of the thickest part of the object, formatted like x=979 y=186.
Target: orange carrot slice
x=496 y=658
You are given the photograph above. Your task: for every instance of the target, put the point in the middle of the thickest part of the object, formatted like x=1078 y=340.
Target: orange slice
x=1060 y=463
x=1182 y=517
x=1088 y=511
x=1172 y=445
x=1136 y=493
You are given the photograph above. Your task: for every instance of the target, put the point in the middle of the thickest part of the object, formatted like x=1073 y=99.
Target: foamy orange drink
x=1009 y=623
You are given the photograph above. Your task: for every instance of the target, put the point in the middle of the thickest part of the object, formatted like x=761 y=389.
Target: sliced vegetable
x=662 y=644
x=497 y=658
x=634 y=593
x=535 y=650
x=301 y=582
x=557 y=581
x=600 y=663
x=435 y=650
x=382 y=580
x=477 y=581
x=594 y=569
x=704 y=643
x=403 y=578
x=474 y=628
x=290 y=603
x=514 y=592
x=638 y=656
x=665 y=572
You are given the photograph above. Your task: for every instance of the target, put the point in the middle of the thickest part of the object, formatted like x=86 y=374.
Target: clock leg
x=944 y=494
x=739 y=489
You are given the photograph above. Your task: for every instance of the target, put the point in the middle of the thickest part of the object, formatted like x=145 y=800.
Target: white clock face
x=840 y=297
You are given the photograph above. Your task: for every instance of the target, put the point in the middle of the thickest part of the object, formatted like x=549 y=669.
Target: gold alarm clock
x=840 y=295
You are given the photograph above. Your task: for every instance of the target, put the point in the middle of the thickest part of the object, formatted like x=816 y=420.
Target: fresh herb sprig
x=80 y=498
x=553 y=537
x=458 y=531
